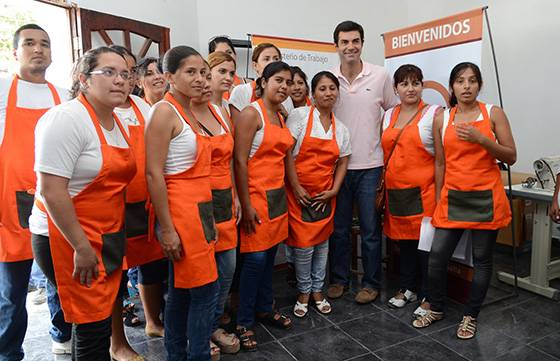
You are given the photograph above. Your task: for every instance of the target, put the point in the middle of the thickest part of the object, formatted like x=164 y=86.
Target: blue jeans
x=61 y=331
x=226 y=268
x=37 y=278
x=359 y=187
x=255 y=286
x=311 y=264
x=189 y=315
x=14 y=278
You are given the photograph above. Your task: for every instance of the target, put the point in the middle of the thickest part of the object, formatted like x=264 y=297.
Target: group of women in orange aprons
x=118 y=181
x=441 y=171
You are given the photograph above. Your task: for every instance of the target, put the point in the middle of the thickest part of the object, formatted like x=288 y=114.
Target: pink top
x=359 y=107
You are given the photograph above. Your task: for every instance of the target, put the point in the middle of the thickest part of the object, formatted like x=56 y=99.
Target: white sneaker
x=409 y=296
x=420 y=312
x=39 y=296
x=64 y=348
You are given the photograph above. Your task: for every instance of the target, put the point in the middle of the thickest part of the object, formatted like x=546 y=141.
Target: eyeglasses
x=111 y=73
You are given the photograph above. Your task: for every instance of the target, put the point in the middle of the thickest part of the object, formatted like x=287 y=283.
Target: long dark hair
x=456 y=72
x=85 y=65
x=269 y=71
x=297 y=70
x=213 y=43
x=323 y=74
x=407 y=71
x=142 y=69
x=174 y=57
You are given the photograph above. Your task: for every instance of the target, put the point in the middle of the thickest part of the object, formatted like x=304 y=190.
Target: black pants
x=90 y=341
x=413 y=260
x=445 y=241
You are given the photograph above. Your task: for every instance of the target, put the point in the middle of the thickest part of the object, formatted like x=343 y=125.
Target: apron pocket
x=136 y=221
x=222 y=202
x=405 y=202
x=471 y=206
x=24 y=202
x=112 y=253
x=206 y=214
x=276 y=202
x=308 y=214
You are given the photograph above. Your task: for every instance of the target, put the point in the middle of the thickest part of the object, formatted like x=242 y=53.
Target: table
x=542 y=268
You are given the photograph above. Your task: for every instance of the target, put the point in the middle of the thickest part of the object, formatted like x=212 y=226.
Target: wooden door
x=142 y=39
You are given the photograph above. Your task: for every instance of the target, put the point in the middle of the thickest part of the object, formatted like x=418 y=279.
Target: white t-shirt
x=424 y=126
x=127 y=115
x=297 y=123
x=241 y=97
x=67 y=145
x=447 y=113
x=29 y=95
x=181 y=154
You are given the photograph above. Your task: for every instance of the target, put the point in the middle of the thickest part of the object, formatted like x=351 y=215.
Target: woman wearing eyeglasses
x=84 y=162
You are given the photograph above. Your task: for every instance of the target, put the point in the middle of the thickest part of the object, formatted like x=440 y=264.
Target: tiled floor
x=526 y=327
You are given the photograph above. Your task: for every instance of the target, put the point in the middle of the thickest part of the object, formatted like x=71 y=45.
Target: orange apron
x=190 y=204
x=473 y=195
x=139 y=249
x=254 y=96
x=266 y=187
x=222 y=187
x=100 y=209
x=315 y=165
x=17 y=178
x=409 y=180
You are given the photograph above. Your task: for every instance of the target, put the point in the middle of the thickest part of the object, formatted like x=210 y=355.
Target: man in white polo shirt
x=24 y=98
x=365 y=91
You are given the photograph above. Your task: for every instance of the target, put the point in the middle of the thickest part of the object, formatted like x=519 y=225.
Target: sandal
x=426 y=320
x=129 y=317
x=467 y=328
x=300 y=309
x=214 y=352
x=323 y=306
x=247 y=338
x=277 y=319
x=227 y=342
x=402 y=298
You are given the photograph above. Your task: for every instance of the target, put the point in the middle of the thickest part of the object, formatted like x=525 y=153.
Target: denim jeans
x=255 y=286
x=445 y=241
x=289 y=252
x=61 y=331
x=14 y=278
x=189 y=315
x=411 y=261
x=311 y=264
x=37 y=278
x=226 y=268
x=359 y=187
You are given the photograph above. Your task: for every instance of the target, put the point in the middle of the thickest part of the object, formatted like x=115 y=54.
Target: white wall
x=525 y=37
x=178 y=15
